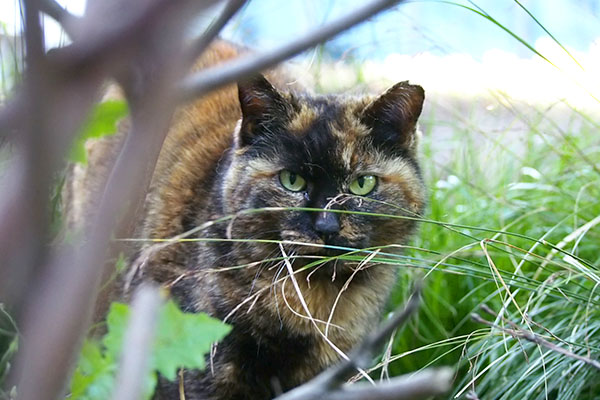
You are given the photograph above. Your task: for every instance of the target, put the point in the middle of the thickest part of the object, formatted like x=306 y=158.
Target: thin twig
x=66 y=20
x=420 y=385
x=212 y=78
x=99 y=45
x=362 y=356
x=137 y=344
x=329 y=385
x=519 y=333
x=200 y=44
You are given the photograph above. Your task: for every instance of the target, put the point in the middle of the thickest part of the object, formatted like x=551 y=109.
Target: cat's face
x=333 y=153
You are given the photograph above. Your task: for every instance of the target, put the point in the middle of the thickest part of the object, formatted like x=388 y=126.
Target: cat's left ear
x=393 y=116
x=261 y=104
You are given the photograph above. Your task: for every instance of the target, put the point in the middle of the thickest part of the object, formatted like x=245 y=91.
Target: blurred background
x=448 y=47
x=511 y=156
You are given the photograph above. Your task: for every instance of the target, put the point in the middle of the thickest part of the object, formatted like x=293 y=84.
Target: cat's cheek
x=275 y=197
x=405 y=196
x=356 y=230
x=281 y=197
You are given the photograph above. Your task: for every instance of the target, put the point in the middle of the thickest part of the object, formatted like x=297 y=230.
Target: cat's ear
x=393 y=115
x=261 y=104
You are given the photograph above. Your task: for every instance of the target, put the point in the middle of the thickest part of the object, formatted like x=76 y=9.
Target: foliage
x=520 y=233
x=182 y=341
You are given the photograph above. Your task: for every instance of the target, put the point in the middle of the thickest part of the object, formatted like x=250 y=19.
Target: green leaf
x=183 y=339
x=121 y=263
x=101 y=122
x=116 y=323
x=93 y=378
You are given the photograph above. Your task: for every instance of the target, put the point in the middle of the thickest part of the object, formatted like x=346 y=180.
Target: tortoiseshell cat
x=294 y=150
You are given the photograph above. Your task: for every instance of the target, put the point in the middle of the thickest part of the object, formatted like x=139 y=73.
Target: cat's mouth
x=334 y=259
x=332 y=246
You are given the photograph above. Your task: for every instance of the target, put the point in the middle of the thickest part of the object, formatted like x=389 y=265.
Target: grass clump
x=520 y=234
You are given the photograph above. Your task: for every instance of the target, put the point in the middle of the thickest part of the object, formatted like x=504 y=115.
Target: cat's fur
x=222 y=156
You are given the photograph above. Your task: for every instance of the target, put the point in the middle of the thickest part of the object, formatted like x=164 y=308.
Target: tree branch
x=101 y=46
x=58 y=309
x=329 y=385
x=137 y=344
x=517 y=332
x=215 y=77
x=198 y=46
x=65 y=19
x=419 y=385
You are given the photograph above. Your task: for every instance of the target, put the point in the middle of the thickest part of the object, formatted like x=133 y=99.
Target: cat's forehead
x=341 y=114
x=326 y=133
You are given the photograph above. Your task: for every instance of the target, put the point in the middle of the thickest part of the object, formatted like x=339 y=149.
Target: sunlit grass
x=543 y=187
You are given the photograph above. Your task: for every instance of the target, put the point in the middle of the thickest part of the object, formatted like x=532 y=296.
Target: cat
x=256 y=147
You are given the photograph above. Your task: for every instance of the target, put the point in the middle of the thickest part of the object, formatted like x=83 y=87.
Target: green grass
x=539 y=270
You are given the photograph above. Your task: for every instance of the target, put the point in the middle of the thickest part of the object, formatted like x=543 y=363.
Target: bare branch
x=101 y=46
x=420 y=385
x=198 y=47
x=137 y=344
x=38 y=148
x=215 y=77
x=82 y=267
x=59 y=307
x=363 y=355
x=517 y=332
x=329 y=384
x=66 y=20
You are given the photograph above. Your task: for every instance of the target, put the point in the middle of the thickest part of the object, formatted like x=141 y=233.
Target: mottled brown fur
x=215 y=163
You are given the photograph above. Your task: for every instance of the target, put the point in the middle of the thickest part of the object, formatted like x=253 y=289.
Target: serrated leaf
x=101 y=122
x=116 y=322
x=183 y=339
x=93 y=378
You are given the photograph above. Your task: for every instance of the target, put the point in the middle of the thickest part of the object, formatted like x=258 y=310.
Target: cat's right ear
x=261 y=104
x=393 y=116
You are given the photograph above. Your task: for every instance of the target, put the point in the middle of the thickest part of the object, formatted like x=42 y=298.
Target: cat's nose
x=327 y=223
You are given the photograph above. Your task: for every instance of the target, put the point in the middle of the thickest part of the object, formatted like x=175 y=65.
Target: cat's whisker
x=333 y=274
x=177 y=280
x=228 y=231
x=307 y=310
x=339 y=199
x=273 y=288
x=258 y=272
x=314 y=269
x=240 y=304
x=298 y=314
x=253 y=303
x=360 y=266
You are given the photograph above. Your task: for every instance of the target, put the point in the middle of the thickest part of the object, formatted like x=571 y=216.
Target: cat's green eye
x=292 y=181
x=363 y=185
